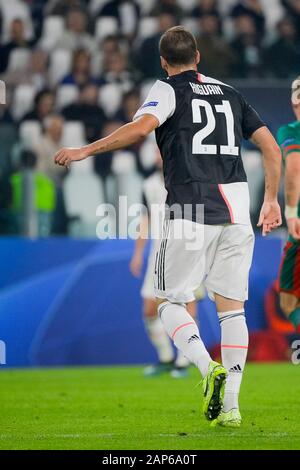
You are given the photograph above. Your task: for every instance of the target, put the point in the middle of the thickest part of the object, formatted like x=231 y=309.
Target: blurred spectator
x=168 y=6
x=76 y=35
x=110 y=45
x=292 y=8
x=81 y=70
x=43 y=106
x=50 y=142
x=17 y=39
x=88 y=111
x=283 y=56
x=36 y=72
x=130 y=104
x=205 y=7
x=12 y=10
x=148 y=60
x=254 y=10
x=217 y=58
x=126 y=12
x=115 y=70
x=247 y=48
x=44 y=196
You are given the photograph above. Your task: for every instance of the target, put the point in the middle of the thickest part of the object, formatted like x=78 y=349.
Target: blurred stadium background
x=74 y=71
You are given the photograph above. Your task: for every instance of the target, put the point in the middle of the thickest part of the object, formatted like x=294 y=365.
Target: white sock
x=234 y=345
x=159 y=339
x=183 y=330
x=181 y=360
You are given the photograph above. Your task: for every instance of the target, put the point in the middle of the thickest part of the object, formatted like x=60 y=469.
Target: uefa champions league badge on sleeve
x=2 y=92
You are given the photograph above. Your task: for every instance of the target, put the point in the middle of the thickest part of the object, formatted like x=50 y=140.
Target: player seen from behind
x=200 y=123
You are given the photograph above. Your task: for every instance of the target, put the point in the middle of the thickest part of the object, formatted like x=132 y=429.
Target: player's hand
x=65 y=156
x=294 y=227
x=270 y=217
x=136 y=264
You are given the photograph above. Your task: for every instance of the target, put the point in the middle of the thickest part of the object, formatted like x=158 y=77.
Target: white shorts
x=220 y=256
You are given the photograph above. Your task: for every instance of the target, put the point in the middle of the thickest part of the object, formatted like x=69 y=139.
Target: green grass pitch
x=116 y=408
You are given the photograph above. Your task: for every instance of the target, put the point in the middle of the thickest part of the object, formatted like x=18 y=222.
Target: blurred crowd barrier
x=68 y=302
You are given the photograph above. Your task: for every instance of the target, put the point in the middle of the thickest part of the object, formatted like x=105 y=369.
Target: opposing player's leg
x=289 y=282
x=227 y=284
x=178 y=272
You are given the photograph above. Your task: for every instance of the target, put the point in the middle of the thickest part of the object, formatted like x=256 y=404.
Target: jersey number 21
x=225 y=108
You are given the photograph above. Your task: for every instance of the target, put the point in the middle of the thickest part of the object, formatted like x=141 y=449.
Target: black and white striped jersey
x=202 y=123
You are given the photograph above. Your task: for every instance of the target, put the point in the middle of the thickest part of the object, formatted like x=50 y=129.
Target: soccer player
x=199 y=124
x=289 y=278
x=154 y=192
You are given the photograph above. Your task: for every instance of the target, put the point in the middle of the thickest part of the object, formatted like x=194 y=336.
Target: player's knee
x=287 y=304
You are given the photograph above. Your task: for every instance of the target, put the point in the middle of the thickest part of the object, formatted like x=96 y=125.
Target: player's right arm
x=270 y=215
x=157 y=108
x=292 y=193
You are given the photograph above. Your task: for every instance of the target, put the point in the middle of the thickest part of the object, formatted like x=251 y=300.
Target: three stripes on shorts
x=161 y=256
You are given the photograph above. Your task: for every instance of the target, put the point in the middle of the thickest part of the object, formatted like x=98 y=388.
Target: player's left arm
x=270 y=214
x=292 y=193
x=122 y=137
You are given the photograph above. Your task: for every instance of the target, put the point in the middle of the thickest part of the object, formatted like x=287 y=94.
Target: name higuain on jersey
x=206 y=89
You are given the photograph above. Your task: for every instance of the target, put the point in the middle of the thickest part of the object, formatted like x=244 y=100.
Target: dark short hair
x=178 y=46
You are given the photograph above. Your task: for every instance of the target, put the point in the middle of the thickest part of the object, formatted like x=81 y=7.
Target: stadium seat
x=277 y=13
x=187 y=5
x=110 y=97
x=66 y=94
x=123 y=162
x=105 y=26
x=96 y=5
x=191 y=24
x=30 y=133
x=18 y=59
x=52 y=29
x=226 y=7
x=147 y=6
x=228 y=28
x=148 y=153
x=83 y=192
x=147 y=27
x=22 y=100
x=129 y=182
x=60 y=65
x=73 y=134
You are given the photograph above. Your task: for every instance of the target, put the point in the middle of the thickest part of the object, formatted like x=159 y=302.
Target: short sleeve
x=288 y=140
x=251 y=121
x=160 y=102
